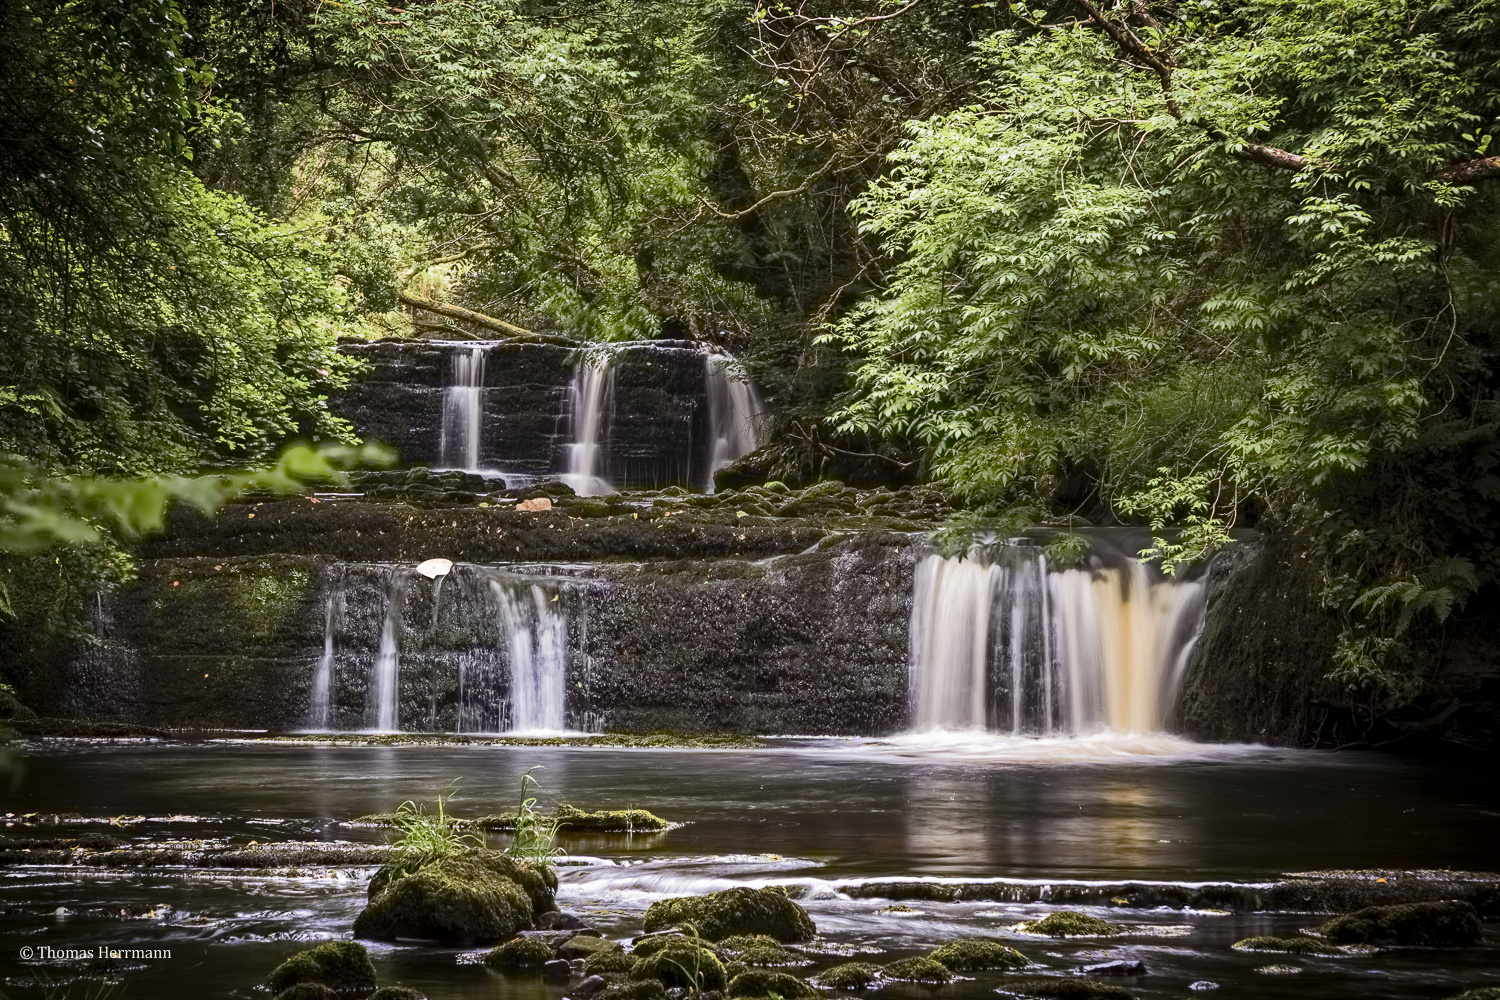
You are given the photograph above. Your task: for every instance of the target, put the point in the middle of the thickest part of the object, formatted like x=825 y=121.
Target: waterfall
x=1017 y=646
x=322 y=691
x=734 y=412
x=588 y=395
x=382 y=699
x=463 y=410
x=536 y=635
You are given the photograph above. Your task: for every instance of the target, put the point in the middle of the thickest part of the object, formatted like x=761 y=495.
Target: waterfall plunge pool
x=824 y=815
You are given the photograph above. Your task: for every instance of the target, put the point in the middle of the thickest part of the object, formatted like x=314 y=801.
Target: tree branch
x=465 y=315
x=1469 y=171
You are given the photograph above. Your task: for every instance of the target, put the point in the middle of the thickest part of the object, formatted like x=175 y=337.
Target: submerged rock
x=1448 y=924
x=757 y=984
x=521 y=954
x=741 y=910
x=918 y=970
x=1066 y=923
x=475 y=898
x=969 y=954
x=339 y=965
x=1124 y=967
x=1296 y=944
x=1068 y=989
x=851 y=976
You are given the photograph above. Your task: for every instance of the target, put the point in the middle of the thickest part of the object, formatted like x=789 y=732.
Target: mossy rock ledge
x=480 y=897
x=734 y=912
x=343 y=966
x=1447 y=924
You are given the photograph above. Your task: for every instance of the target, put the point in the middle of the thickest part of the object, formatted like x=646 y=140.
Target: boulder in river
x=479 y=897
x=918 y=970
x=685 y=966
x=1068 y=989
x=397 y=993
x=527 y=954
x=969 y=954
x=340 y=965
x=1447 y=924
x=851 y=976
x=1066 y=923
x=740 y=910
x=307 y=991
x=758 y=984
x=1294 y=944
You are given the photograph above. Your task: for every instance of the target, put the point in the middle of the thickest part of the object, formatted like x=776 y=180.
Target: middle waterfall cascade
x=735 y=411
x=536 y=639
x=589 y=395
x=382 y=709
x=463 y=411
x=1016 y=646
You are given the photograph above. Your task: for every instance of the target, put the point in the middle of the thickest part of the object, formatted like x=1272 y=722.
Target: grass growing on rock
x=918 y=970
x=1067 y=923
x=970 y=954
x=633 y=989
x=851 y=976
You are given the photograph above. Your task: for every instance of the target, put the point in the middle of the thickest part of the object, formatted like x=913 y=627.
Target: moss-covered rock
x=1068 y=989
x=307 y=991
x=741 y=910
x=1448 y=924
x=1482 y=993
x=461 y=900
x=397 y=993
x=918 y=970
x=633 y=989
x=604 y=963
x=653 y=943
x=340 y=965
x=538 y=882
x=1068 y=923
x=585 y=946
x=969 y=954
x=850 y=976
x=693 y=968
x=526 y=954
x=1295 y=944
x=758 y=984
x=759 y=949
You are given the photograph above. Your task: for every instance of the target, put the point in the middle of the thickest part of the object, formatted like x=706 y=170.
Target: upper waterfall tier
x=633 y=415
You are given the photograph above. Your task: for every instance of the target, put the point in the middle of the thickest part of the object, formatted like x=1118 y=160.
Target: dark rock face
x=655 y=430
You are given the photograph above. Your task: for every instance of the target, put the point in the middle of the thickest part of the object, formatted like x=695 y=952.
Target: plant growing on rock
x=535 y=838
x=424 y=837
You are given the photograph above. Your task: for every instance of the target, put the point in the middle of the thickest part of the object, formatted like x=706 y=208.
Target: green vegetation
x=918 y=970
x=757 y=984
x=1066 y=923
x=528 y=954
x=850 y=976
x=969 y=954
x=733 y=912
x=422 y=838
x=339 y=965
x=1297 y=944
x=535 y=837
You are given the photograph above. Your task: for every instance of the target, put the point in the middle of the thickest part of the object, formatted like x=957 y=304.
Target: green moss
x=758 y=949
x=459 y=900
x=657 y=942
x=918 y=970
x=1067 y=923
x=1069 y=989
x=266 y=599
x=307 y=991
x=741 y=910
x=584 y=946
x=538 y=882
x=850 y=976
x=693 y=968
x=342 y=965
x=1447 y=924
x=1296 y=944
x=762 y=985
x=609 y=820
x=1483 y=993
x=634 y=989
x=397 y=993
x=603 y=963
x=969 y=954
x=528 y=953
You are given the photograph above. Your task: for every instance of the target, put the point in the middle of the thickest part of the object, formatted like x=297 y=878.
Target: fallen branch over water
x=465 y=315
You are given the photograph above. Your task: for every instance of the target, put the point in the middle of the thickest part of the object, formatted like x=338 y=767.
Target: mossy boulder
x=758 y=984
x=1449 y=924
x=522 y=954
x=538 y=881
x=693 y=968
x=307 y=991
x=851 y=976
x=397 y=993
x=340 y=965
x=466 y=899
x=654 y=943
x=1295 y=944
x=585 y=946
x=970 y=954
x=604 y=963
x=1069 y=989
x=759 y=949
x=918 y=970
x=736 y=911
x=633 y=989
x=609 y=820
x=1068 y=923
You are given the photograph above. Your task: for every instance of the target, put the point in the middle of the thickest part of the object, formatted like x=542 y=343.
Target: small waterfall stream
x=463 y=410
x=734 y=413
x=536 y=635
x=1017 y=646
x=589 y=396
x=382 y=709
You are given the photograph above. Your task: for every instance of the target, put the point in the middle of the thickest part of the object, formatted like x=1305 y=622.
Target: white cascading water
x=382 y=698
x=589 y=396
x=536 y=635
x=322 y=692
x=734 y=413
x=1018 y=647
x=463 y=411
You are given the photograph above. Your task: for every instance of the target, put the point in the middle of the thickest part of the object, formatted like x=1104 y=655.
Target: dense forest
x=1205 y=266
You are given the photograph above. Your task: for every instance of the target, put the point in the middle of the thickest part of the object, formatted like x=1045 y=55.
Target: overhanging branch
x=465 y=315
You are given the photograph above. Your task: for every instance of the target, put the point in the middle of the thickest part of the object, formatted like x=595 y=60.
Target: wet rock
x=685 y=966
x=970 y=954
x=465 y=900
x=633 y=989
x=740 y=910
x=937 y=891
x=307 y=991
x=760 y=950
x=1449 y=924
x=522 y=954
x=850 y=976
x=758 y=984
x=1126 y=967
x=918 y=970
x=340 y=965
x=1068 y=989
x=1203 y=984
x=584 y=945
x=557 y=971
x=587 y=988
x=1066 y=923
x=1279 y=970
x=397 y=993
x=1296 y=944
x=896 y=910
x=561 y=920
